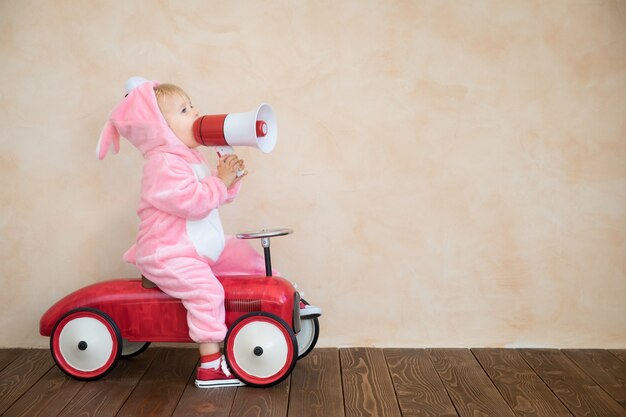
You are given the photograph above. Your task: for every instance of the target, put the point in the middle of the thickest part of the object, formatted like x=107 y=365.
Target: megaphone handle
x=228 y=150
x=224 y=150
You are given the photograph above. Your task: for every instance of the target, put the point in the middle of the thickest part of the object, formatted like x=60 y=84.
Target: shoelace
x=224 y=366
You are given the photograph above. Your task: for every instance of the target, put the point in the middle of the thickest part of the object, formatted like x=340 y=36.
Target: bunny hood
x=139 y=119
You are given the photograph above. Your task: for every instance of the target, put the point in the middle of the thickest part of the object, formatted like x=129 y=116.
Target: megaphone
x=256 y=128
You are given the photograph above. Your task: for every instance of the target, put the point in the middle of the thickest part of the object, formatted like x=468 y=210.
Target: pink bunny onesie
x=181 y=244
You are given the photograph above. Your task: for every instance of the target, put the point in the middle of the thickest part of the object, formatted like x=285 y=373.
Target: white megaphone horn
x=256 y=128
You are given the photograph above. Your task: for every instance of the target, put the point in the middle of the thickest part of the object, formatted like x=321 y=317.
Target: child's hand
x=227 y=168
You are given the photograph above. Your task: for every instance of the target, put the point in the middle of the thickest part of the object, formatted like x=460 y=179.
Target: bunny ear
x=132 y=83
x=109 y=135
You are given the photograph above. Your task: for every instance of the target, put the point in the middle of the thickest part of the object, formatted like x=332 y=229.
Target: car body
x=90 y=327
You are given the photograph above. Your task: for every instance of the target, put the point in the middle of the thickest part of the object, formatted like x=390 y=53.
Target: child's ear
x=109 y=135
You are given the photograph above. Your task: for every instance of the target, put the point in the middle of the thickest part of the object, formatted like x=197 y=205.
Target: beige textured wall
x=455 y=172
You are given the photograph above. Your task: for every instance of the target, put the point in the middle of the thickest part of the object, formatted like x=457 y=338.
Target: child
x=181 y=244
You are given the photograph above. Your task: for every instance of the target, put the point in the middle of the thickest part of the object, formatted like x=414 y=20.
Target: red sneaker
x=214 y=378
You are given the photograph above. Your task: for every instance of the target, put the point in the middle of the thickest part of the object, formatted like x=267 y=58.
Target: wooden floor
x=333 y=383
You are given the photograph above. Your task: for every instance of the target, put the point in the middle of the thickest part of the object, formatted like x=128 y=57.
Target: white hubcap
x=128 y=348
x=305 y=337
x=260 y=349
x=85 y=343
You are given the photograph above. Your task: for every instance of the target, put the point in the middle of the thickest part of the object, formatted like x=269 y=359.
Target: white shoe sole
x=219 y=383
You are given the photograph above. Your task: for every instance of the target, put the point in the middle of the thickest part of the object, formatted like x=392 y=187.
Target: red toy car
x=91 y=328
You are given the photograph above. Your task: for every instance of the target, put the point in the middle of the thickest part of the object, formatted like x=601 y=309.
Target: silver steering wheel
x=265 y=235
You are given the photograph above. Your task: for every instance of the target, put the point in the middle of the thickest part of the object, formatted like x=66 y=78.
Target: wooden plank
x=574 y=388
x=520 y=386
x=620 y=353
x=471 y=390
x=47 y=397
x=105 y=397
x=604 y=368
x=262 y=402
x=419 y=390
x=368 y=389
x=214 y=402
x=9 y=355
x=158 y=392
x=21 y=374
x=316 y=385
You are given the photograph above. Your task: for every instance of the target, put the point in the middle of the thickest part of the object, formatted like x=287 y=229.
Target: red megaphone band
x=209 y=130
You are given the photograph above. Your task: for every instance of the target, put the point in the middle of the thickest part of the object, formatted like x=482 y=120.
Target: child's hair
x=163 y=90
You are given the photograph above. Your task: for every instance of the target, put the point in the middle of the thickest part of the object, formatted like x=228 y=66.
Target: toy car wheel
x=130 y=349
x=307 y=337
x=261 y=349
x=86 y=344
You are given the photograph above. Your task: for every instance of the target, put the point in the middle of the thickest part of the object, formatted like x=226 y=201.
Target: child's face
x=179 y=115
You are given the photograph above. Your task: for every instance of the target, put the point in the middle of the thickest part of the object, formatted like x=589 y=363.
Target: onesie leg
x=239 y=258
x=192 y=281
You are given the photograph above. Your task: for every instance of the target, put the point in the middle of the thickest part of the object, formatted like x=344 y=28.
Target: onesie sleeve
x=170 y=185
